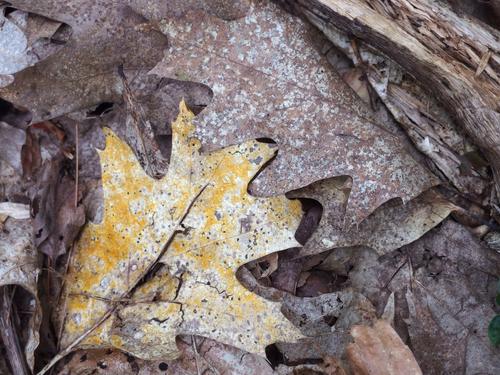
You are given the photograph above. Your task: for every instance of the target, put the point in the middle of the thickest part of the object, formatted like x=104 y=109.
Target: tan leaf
x=390 y=226
x=380 y=351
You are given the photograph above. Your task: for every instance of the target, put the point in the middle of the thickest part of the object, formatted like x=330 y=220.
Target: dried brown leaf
x=444 y=286
x=378 y=350
x=57 y=220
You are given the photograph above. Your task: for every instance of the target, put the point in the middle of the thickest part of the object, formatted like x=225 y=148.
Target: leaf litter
x=246 y=71
x=19 y=267
x=268 y=77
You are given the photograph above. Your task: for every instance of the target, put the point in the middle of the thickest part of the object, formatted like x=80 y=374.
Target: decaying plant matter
x=249 y=187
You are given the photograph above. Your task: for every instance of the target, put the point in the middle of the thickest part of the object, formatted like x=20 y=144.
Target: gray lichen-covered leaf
x=390 y=226
x=19 y=266
x=13 y=45
x=269 y=80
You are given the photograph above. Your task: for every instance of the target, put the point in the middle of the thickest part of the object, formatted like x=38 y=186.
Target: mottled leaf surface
x=105 y=35
x=197 y=292
x=390 y=226
x=270 y=80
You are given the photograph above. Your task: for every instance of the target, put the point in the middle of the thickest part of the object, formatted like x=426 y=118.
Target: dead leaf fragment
x=390 y=226
x=19 y=266
x=24 y=40
x=380 y=351
x=57 y=221
x=444 y=286
x=112 y=33
x=84 y=72
x=16 y=211
x=12 y=140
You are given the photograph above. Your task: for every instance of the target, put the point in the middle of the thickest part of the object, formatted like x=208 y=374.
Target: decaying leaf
x=269 y=80
x=24 y=40
x=57 y=220
x=16 y=211
x=84 y=72
x=112 y=33
x=327 y=319
x=19 y=266
x=378 y=350
x=12 y=140
x=199 y=356
x=390 y=226
x=223 y=227
x=444 y=286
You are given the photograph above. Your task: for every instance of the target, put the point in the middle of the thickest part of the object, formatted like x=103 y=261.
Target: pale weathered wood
x=453 y=57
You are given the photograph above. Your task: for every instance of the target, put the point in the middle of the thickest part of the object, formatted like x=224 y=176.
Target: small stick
x=70 y=347
x=77 y=163
x=196 y=355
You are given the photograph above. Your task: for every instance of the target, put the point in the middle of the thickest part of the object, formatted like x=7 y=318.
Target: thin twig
x=62 y=290
x=196 y=355
x=395 y=273
x=77 y=141
x=71 y=346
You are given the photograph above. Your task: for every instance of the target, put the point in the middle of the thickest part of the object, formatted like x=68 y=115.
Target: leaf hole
x=268 y=141
x=163 y=366
x=274 y=356
x=14 y=115
x=101 y=109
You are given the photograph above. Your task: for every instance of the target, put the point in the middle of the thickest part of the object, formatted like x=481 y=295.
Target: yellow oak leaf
x=196 y=292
